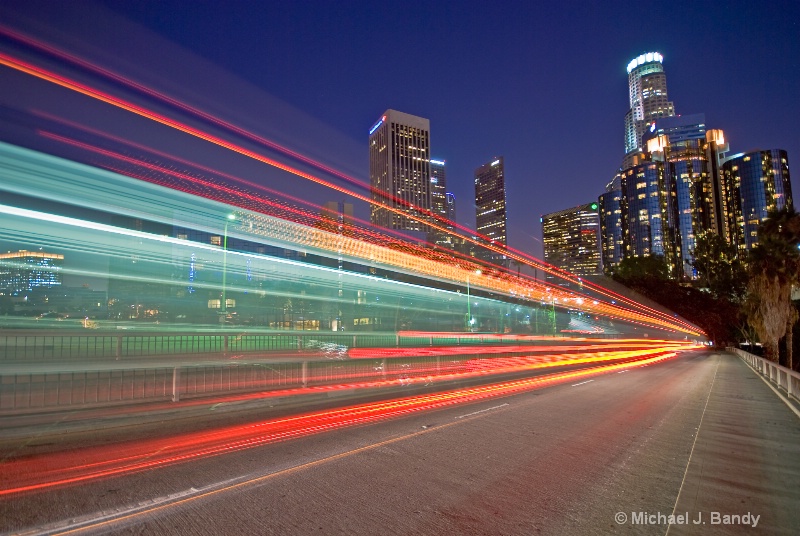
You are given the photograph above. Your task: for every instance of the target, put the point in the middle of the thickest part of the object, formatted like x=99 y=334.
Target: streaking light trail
x=65 y=468
x=109 y=99
x=62 y=181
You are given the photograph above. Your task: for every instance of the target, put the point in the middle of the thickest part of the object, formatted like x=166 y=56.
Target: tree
x=719 y=268
x=638 y=268
x=717 y=317
x=774 y=269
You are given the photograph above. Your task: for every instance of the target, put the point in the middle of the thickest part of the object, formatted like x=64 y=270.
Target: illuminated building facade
x=451 y=206
x=22 y=272
x=644 y=204
x=757 y=182
x=610 y=211
x=647 y=95
x=677 y=128
x=689 y=154
x=490 y=207
x=571 y=239
x=677 y=183
x=439 y=189
x=439 y=204
x=400 y=171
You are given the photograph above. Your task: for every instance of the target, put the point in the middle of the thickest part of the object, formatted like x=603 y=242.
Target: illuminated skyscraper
x=646 y=219
x=438 y=188
x=757 y=182
x=451 y=206
x=610 y=209
x=647 y=94
x=571 y=239
x=399 y=171
x=439 y=204
x=23 y=271
x=490 y=207
x=689 y=188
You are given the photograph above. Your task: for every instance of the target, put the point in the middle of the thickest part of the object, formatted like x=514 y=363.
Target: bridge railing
x=785 y=379
x=37 y=391
x=65 y=346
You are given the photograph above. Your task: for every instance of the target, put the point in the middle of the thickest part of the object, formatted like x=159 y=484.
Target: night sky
x=541 y=83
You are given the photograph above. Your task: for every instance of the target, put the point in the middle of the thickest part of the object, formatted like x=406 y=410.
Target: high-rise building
x=571 y=239
x=644 y=204
x=677 y=128
x=647 y=94
x=399 y=171
x=676 y=183
x=438 y=188
x=757 y=182
x=24 y=271
x=691 y=186
x=451 y=206
x=439 y=205
x=610 y=210
x=490 y=208
x=716 y=148
x=339 y=213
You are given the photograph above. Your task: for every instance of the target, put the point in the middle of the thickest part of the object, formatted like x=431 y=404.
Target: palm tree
x=774 y=270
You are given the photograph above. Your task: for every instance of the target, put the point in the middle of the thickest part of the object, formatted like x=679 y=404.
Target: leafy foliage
x=718 y=317
x=774 y=266
x=639 y=268
x=719 y=268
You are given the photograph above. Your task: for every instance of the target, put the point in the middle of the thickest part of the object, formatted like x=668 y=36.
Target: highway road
x=567 y=458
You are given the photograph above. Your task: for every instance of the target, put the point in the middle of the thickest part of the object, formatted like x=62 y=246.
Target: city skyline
x=555 y=116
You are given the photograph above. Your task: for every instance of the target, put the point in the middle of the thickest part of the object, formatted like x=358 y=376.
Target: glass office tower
x=571 y=239
x=610 y=210
x=757 y=182
x=490 y=207
x=399 y=171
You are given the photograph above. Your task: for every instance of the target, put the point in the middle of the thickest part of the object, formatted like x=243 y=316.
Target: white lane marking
x=621 y=371
x=87 y=521
x=481 y=411
x=577 y=384
x=694 y=443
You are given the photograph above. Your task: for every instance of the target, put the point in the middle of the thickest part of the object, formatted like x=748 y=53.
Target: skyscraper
x=610 y=208
x=399 y=171
x=571 y=239
x=438 y=188
x=691 y=184
x=451 y=206
x=646 y=219
x=490 y=207
x=757 y=182
x=647 y=94
x=24 y=271
x=439 y=204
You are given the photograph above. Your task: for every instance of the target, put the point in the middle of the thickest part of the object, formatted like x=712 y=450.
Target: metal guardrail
x=92 y=388
x=782 y=377
x=64 y=345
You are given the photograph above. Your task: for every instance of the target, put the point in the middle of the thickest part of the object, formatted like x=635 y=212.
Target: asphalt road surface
x=563 y=459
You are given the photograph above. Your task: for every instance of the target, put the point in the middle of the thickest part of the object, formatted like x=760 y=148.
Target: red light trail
x=182 y=127
x=38 y=473
x=257 y=203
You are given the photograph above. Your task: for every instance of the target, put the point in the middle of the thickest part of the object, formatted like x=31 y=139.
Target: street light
x=223 y=312
x=469 y=310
